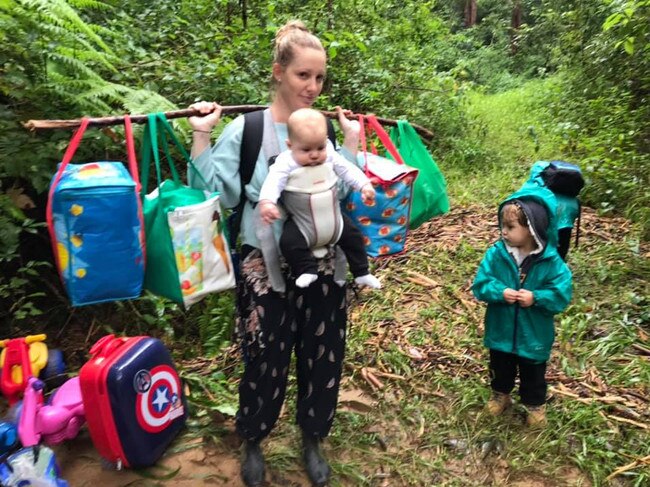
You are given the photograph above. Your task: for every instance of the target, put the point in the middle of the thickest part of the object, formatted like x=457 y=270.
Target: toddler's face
x=309 y=149
x=515 y=234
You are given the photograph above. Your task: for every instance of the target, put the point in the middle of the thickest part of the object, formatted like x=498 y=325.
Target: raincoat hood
x=539 y=205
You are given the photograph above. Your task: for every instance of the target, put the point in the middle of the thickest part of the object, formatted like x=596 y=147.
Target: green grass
x=508 y=131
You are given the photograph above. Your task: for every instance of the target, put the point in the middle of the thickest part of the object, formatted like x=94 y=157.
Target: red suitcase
x=133 y=399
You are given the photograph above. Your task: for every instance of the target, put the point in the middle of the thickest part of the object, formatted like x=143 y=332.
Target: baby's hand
x=525 y=298
x=348 y=127
x=510 y=295
x=367 y=192
x=269 y=211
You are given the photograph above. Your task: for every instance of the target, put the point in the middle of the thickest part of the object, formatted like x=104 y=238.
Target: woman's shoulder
x=236 y=125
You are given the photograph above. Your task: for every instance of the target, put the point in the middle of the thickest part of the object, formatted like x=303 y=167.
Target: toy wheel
x=55 y=364
x=108 y=465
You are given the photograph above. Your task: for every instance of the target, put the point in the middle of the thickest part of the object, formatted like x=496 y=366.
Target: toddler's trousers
x=532 y=383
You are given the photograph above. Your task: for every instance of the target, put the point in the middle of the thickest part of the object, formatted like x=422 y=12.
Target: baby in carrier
x=306 y=177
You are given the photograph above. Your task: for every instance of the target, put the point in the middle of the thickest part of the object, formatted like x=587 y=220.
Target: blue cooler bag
x=94 y=217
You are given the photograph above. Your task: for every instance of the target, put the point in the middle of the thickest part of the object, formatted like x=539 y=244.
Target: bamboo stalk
x=188 y=112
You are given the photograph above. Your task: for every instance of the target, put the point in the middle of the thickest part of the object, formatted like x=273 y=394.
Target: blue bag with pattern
x=383 y=221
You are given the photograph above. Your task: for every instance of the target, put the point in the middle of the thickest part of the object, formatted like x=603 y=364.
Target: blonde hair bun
x=290 y=35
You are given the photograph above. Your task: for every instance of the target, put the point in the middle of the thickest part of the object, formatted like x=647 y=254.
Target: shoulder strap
x=251 y=144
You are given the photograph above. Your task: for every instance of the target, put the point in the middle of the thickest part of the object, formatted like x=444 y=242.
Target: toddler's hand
x=510 y=295
x=210 y=116
x=367 y=192
x=525 y=298
x=269 y=211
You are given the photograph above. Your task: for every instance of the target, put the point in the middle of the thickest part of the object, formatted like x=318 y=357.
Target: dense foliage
x=419 y=60
x=500 y=83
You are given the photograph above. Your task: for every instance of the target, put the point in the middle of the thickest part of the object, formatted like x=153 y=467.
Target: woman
x=272 y=323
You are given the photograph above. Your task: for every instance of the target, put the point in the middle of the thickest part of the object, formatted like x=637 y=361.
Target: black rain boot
x=317 y=468
x=252 y=464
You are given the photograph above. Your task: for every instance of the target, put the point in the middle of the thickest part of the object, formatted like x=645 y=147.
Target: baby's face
x=309 y=149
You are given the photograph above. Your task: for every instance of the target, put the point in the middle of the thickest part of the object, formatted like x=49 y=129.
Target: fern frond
x=75 y=65
x=145 y=101
x=60 y=12
x=90 y=4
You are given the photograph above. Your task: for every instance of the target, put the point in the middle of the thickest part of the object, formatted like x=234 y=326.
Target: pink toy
x=52 y=423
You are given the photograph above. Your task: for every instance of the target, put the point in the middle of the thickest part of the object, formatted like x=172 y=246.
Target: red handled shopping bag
x=384 y=221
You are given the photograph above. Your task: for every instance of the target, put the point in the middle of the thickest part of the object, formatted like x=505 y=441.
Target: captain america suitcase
x=133 y=399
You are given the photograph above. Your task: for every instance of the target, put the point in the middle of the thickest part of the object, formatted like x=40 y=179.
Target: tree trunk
x=470 y=13
x=330 y=14
x=515 y=24
x=244 y=14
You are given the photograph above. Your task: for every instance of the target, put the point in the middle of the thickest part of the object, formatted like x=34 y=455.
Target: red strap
x=67 y=157
x=133 y=169
x=375 y=126
x=130 y=153
x=364 y=147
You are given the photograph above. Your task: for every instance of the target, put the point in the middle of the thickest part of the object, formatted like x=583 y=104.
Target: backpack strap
x=251 y=143
x=331 y=134
x=578 y=222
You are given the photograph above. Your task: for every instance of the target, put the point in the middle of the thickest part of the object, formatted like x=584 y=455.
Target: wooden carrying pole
x=188 y=112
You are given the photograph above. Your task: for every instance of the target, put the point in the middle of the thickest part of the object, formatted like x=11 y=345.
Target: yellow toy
x=22 y=358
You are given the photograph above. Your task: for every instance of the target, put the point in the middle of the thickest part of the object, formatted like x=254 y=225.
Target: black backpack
x=251 y=144
x=563 y=178
x=566 y=179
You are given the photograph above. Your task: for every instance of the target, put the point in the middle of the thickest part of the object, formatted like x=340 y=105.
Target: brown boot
x=536 y=417
x=498 y=403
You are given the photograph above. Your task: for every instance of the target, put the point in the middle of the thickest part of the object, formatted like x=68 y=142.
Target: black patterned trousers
x=311 y=322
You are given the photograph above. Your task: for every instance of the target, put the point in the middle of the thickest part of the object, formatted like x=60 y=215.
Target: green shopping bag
x=430 y=190
x=188 y=255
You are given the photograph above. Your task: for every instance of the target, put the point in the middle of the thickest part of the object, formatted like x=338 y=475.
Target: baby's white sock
x=368 y=280
x=305 y=280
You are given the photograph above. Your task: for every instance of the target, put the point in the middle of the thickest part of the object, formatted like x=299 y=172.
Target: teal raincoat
x=526 y=332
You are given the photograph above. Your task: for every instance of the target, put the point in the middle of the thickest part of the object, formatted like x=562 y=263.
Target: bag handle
x=130 y=153
x=373 y=125
x=150 y=146
x=67 y=157
x=376 y=127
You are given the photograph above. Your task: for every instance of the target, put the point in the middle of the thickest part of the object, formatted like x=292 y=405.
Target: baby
x=310 y=153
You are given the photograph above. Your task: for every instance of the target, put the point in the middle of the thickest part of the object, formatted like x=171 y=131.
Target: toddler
x=524 y=282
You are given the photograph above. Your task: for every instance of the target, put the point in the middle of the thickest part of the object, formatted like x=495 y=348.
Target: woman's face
x=301 y=81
